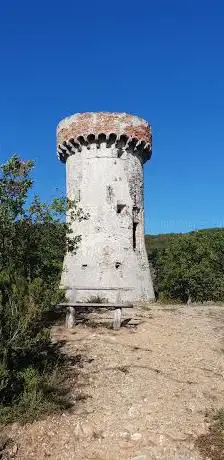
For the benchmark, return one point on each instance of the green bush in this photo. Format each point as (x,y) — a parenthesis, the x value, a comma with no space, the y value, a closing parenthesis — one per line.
(189,267)
(33,240)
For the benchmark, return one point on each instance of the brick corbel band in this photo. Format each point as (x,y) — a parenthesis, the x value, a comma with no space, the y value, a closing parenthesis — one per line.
(121,130)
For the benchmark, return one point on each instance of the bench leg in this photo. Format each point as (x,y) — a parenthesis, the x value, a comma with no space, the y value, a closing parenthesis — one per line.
(70,317)
(117,319)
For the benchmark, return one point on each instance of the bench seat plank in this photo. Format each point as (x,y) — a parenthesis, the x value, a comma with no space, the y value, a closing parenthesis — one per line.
(95,305)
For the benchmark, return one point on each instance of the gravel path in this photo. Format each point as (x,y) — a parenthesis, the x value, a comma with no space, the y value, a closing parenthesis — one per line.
(142,392)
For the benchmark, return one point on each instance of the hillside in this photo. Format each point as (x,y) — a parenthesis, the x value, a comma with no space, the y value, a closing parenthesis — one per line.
(161,241)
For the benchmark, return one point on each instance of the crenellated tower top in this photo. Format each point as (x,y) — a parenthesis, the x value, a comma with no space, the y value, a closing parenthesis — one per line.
(121,130)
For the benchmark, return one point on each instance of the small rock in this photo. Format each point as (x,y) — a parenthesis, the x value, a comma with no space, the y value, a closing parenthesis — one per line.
(132,411)
(136,436)
(83,430)
(142,457)
(125,435)
(192,407)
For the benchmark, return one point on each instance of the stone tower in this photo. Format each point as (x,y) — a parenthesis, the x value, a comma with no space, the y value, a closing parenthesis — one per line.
(104,155)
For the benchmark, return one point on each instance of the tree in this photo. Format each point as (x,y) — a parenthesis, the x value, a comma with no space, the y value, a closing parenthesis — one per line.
(192,267)
(33,240)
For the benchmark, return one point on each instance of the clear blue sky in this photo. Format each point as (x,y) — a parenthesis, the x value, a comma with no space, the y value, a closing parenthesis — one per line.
(160,59)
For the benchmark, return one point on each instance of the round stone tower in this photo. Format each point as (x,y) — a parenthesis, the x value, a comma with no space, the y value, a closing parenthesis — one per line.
(104,155)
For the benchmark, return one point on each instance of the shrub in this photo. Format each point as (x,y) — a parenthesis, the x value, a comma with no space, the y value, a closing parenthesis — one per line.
(190,266)
(33,240)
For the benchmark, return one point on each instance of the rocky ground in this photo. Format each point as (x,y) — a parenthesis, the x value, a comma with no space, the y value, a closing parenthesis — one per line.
(140,393)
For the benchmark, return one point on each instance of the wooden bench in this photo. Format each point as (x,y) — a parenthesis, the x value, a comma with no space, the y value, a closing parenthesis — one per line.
(71,307)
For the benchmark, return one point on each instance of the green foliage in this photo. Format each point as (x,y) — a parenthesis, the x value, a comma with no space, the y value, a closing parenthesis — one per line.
(189,266)
(33,240)
(156,242)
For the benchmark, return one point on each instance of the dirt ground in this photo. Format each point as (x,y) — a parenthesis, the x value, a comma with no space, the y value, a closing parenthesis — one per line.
(142,392)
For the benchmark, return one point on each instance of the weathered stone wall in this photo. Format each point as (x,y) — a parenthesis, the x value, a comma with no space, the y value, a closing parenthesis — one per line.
(104,167)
